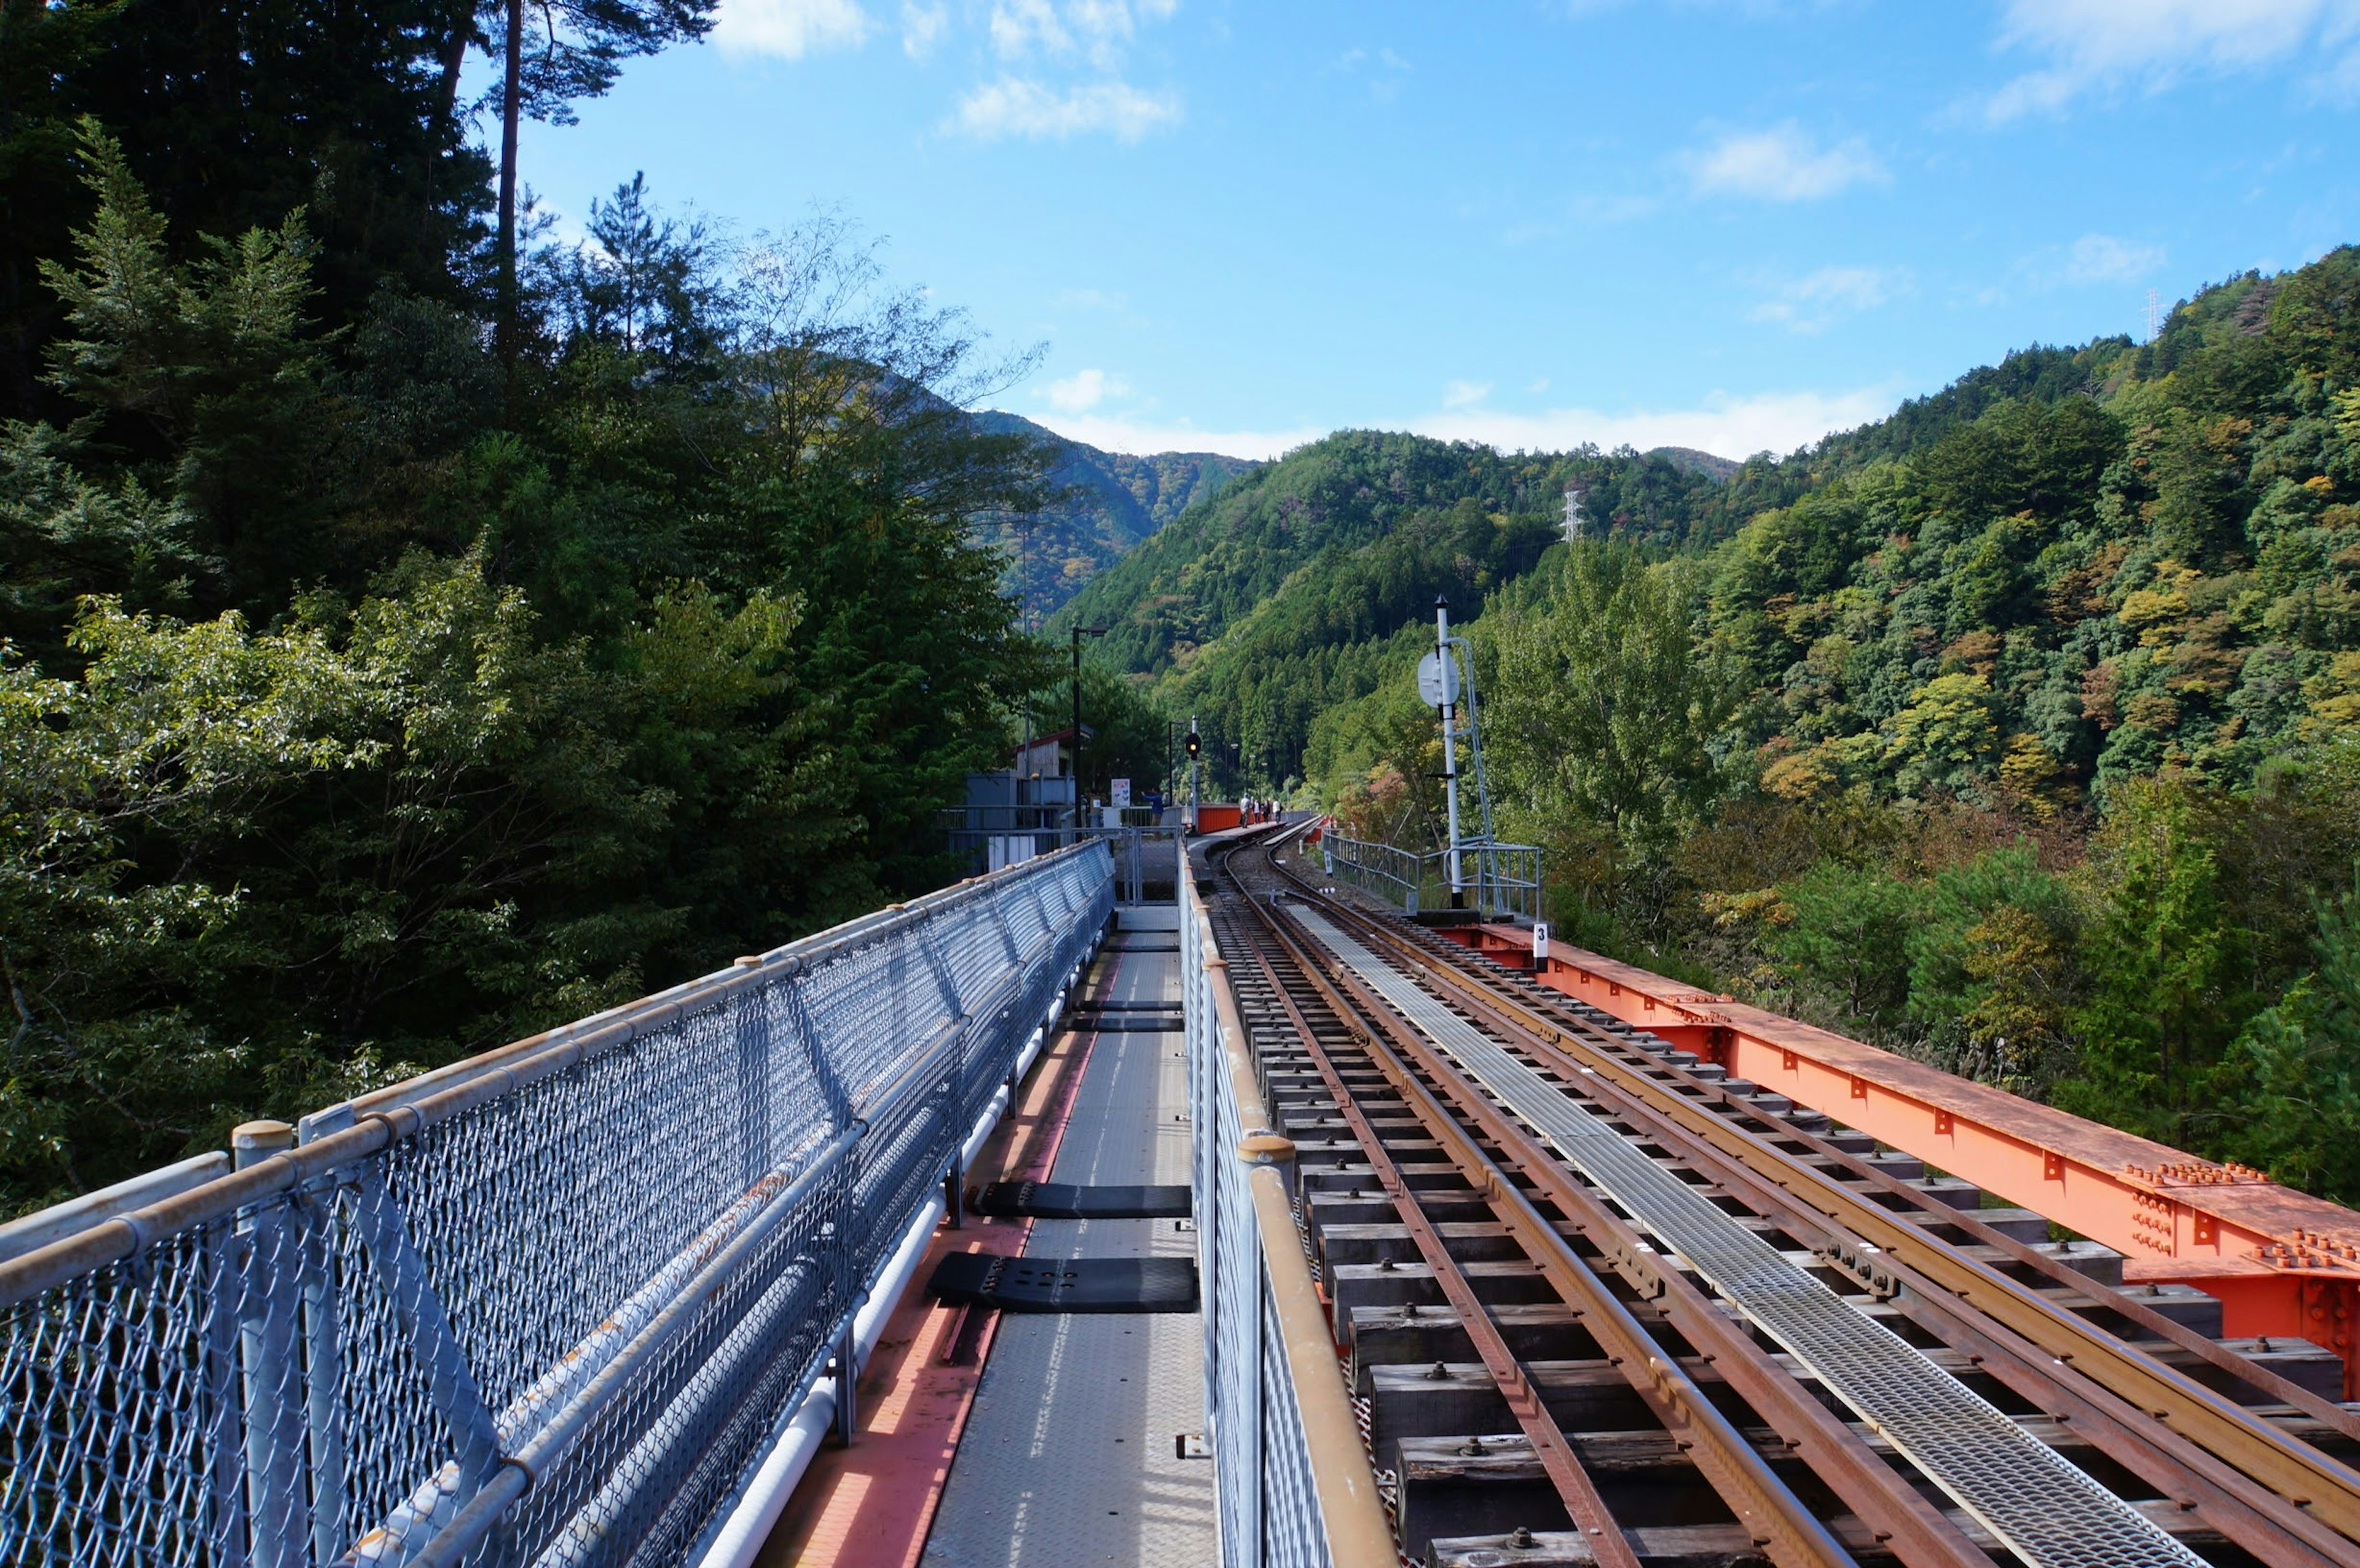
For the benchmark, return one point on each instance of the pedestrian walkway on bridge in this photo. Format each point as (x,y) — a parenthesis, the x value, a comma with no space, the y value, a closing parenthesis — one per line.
(1042,1441)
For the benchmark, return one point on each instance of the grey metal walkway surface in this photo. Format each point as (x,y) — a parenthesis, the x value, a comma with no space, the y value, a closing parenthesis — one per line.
(1067,1456)
(2042,1506)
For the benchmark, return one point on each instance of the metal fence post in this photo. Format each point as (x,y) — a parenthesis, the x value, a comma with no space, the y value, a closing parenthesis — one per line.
(277,1509)
(324,1376)
(752,1010)
(847,1383)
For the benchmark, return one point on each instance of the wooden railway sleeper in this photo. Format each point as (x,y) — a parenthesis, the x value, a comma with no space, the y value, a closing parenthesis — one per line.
(2261,1379)
(2312,1481)
(1866,1481)
(1574,1488)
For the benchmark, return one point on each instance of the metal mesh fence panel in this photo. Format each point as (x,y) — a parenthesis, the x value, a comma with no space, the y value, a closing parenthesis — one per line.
(1265,1499)
(540,1308)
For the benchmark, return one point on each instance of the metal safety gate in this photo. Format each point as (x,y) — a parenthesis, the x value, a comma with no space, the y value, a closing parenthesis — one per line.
(547,1306)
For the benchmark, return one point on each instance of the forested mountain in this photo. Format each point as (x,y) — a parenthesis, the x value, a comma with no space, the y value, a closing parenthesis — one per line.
(1284,595)
(393,662)
(1102,503)
(2023,733)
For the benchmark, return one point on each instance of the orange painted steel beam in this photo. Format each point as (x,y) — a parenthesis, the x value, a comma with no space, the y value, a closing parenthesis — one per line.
(2282,1263)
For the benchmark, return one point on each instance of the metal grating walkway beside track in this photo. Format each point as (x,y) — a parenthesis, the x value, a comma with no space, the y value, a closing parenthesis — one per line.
(2043,1506)
(1067,1460)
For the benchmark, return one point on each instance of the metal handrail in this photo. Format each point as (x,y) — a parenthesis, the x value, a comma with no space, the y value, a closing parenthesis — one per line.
(1292,1479)
(565,1286)
(1503,879)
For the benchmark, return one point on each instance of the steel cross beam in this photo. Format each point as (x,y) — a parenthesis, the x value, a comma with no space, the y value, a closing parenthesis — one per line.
(1890,1508)
(2322,1492)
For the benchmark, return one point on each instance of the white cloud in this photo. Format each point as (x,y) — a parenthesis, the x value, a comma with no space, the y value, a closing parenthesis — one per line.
(790,28)
(1136,436)
(921,26)
(1733,426)
(1813,304)
(1730,426)
(1782,164)
(2100,45)
(1383,68)
(1098,31)
(1015,106)
(1464,394)
(2093,260)
(1085,389)
(2101,259)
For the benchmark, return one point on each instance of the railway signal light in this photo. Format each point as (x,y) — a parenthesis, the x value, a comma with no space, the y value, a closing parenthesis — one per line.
(1195,746)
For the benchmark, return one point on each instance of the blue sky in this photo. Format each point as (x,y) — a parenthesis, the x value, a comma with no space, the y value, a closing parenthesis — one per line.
(1731,226)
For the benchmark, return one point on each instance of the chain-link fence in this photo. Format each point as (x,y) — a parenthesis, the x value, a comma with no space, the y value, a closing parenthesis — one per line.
(541,1307)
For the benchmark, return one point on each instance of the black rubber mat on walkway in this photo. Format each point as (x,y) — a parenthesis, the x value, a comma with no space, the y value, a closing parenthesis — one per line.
(1065,1284)
(1064,1200)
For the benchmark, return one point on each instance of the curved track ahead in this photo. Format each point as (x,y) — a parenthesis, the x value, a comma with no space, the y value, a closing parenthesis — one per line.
(1588,1287)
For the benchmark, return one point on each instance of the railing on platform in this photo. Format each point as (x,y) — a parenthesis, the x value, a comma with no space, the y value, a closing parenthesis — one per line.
(546,1306)
(1293,1484)
(1144,850)
(1500,879)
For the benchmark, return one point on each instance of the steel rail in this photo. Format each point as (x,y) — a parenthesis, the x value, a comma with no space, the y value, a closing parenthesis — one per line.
(1574,1488)
(2261,1380)
(1343,1482)
(2218,1495)
(1897,1514)
(2326,1491)
(1764,1504)
(2028,1495)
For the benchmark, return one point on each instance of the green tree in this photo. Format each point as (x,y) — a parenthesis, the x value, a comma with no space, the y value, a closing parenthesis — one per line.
(2292,1078)
(1832,930)
(2165,967)
(575,50)
(1602,708)
(206,368)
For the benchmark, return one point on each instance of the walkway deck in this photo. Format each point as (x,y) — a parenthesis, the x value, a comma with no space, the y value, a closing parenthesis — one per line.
(1068,1454)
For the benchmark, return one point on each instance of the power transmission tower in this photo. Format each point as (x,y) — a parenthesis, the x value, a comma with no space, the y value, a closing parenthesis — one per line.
(2155,313)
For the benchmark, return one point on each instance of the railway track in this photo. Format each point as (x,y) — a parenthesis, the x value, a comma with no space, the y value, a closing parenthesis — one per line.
(1602,1306)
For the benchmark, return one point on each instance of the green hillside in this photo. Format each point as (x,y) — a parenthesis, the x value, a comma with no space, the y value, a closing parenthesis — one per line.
(1105,503)
(2023,733)
(1287,593)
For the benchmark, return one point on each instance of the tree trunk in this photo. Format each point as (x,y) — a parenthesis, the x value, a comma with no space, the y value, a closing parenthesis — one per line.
(511,94)
(453,62)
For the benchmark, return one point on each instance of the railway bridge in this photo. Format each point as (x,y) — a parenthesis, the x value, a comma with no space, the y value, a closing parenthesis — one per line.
(1044,1220)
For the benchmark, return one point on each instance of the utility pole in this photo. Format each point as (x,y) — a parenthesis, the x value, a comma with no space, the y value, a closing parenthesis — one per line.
(1449,706)
(1188,817)
(1079,633)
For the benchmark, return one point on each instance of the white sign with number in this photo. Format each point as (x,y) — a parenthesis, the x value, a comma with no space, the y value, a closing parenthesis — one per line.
(1540,942)
(1438,679)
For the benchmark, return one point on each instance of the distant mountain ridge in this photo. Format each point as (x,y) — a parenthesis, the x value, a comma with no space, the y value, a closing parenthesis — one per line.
(1113,500)
(1709,464)
(1278,598)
